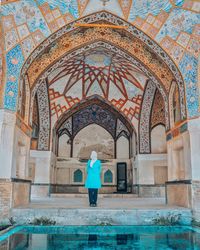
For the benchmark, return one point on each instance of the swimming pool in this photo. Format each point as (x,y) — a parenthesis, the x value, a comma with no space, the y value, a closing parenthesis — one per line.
(100,237)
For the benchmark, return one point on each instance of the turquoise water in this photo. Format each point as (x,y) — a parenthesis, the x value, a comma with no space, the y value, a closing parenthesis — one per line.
(100,238)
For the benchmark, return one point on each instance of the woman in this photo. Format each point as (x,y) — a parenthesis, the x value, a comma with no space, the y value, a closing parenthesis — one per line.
(93,180)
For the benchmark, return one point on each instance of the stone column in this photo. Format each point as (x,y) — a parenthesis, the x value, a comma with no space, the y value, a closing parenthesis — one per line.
(194,130)
(183,187)
(148,165)
(43,163)
(12,189)
(7,131)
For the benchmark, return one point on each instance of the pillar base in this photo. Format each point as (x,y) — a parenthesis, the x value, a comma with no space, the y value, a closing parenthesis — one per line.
(179,193)
(13,193)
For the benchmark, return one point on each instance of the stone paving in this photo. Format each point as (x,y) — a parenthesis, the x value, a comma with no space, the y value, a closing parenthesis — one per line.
(110,211)
(103,203)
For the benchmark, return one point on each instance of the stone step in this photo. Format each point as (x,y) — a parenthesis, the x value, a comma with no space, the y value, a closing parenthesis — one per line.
(79,195)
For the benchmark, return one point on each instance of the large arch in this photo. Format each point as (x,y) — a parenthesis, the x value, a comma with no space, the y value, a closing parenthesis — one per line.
(142,50)
(106,116)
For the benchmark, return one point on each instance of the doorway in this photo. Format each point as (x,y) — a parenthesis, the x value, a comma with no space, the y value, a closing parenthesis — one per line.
(121,177)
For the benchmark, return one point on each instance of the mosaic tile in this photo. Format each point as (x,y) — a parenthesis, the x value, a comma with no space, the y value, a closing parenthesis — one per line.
(27,46)
(60,22)
(176,52)
(194,46)
(150,19)
(11,39)
(141,8)
(8,22)
(56,13)
(53,26)
(23,31)
(125,6)
(178,20)
(189,69)
(183,39)
(14,62)
(157,24)
(196,30)
(49,17)
(26,12)
(38,37)
(167,43)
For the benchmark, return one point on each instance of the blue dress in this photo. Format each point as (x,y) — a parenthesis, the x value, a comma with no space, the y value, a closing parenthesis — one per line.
(93,179)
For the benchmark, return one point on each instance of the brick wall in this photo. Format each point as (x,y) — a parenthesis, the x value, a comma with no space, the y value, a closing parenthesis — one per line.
(5,198)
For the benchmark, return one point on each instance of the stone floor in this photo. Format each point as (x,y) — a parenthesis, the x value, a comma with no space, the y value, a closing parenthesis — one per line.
(110,211)
(103,203)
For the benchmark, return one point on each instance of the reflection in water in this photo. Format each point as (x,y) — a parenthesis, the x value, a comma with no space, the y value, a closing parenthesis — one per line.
(102,241)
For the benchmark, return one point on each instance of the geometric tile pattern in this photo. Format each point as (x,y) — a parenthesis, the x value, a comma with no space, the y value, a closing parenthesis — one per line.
(61,101)
(97,72)
(172,23)
(145,119)
(44,117)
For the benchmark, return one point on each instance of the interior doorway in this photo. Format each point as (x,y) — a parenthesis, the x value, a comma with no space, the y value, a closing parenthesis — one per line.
(121,177)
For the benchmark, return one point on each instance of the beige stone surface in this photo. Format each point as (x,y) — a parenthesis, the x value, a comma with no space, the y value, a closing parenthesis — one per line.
(21,194)
(93,137)
(179,195)
(5,198)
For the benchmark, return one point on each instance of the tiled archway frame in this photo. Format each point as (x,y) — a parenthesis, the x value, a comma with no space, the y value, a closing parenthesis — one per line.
(107,17)
(145,118)
(87,47)
(112,48)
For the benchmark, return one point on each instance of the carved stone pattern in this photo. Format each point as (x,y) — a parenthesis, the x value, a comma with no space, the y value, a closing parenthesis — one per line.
(145,115)
(115,50)
(121,128)
(158,110)
(44,117)
(94,114)
(131,29)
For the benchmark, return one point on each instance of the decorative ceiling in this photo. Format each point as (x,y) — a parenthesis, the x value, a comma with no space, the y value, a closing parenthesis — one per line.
(97,72)
(173,24)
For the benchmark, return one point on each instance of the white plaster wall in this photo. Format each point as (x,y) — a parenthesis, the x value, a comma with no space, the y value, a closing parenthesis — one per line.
(21,154)
(64,148)
(179,157)
(193,144)
(14,147)
(44,162)
(122,148)
(145,165)
(93,137)
(7,134)
(65,168)
(158,140)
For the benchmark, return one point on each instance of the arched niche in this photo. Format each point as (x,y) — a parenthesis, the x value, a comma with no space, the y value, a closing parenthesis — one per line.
(78,176)
(108,177)
(64,146)
(93,137)
(122,148)
(94,111)
(158,140)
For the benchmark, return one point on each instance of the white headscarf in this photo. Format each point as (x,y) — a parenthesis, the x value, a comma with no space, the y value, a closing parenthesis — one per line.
(93,157)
